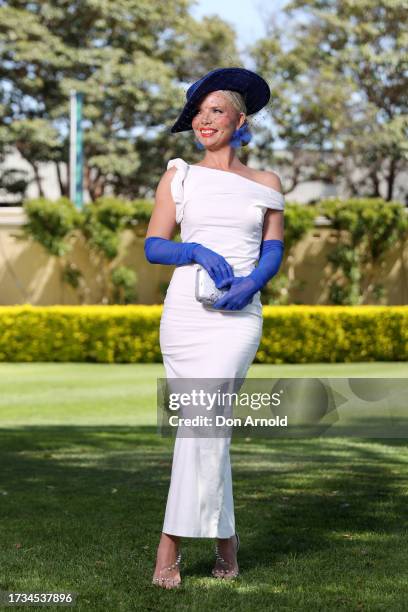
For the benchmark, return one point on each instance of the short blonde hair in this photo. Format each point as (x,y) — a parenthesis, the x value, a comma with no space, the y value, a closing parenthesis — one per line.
(236,99)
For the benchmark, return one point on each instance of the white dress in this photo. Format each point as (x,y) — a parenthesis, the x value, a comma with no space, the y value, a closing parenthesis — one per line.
(224,212)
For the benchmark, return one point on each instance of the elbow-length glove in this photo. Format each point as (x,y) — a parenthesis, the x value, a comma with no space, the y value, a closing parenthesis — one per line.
(243,288)
(162,251)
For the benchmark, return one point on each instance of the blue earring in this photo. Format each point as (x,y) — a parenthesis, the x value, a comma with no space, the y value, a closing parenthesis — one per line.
(241,136)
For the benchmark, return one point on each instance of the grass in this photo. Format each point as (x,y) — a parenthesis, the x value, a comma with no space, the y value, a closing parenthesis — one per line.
(84,479)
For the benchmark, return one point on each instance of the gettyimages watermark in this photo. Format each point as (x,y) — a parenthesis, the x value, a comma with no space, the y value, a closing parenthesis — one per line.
(283,407)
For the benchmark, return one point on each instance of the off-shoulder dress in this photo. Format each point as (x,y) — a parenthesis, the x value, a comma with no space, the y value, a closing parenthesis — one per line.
(224,212)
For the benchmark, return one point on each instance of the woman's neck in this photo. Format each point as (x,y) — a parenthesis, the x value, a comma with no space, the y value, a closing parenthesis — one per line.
(225,159)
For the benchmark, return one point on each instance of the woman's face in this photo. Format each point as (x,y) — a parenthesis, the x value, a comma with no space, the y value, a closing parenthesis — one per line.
(216,120)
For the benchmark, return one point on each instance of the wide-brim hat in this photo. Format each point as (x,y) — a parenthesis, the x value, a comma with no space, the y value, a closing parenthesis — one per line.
(253,88)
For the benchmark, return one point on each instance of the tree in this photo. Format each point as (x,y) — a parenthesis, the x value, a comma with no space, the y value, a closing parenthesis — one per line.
(339,79)
(126,56)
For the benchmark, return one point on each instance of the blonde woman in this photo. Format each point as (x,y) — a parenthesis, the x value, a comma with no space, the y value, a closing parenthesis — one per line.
(231,218)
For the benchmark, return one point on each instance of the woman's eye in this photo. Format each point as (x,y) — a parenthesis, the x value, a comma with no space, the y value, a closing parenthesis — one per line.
(217,110)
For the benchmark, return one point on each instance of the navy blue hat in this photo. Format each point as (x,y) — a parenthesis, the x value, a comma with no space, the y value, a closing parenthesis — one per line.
(253,88)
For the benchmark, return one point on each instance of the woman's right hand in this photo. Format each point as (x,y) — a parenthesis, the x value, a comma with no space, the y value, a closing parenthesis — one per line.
(216,265)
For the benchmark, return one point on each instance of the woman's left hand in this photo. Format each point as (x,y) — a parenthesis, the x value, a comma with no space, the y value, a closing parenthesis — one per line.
(239,295)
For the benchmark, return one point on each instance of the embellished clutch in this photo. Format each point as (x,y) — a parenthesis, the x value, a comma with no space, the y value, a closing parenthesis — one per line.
(206,290)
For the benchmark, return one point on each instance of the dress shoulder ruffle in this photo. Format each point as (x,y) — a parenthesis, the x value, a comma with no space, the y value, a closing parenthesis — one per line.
(177,185)
(271,199)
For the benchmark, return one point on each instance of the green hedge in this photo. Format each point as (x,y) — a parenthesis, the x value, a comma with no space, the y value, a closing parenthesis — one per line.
(130,334)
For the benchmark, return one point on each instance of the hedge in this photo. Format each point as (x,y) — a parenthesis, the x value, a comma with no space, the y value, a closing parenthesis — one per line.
(130,334)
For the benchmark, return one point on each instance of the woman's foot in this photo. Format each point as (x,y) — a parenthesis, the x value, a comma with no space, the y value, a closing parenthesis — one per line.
(226,564)
(167,571)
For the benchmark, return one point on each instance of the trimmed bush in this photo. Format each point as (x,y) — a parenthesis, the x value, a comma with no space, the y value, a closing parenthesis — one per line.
(333,334)
(130,334)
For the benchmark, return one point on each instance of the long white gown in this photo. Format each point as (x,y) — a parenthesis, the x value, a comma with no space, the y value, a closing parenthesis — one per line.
(224,212)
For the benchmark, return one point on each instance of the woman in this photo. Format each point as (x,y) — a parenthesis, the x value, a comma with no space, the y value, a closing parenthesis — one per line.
(230,217)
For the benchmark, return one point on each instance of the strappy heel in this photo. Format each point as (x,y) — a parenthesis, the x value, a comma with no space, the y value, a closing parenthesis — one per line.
(165,581)
(226,572)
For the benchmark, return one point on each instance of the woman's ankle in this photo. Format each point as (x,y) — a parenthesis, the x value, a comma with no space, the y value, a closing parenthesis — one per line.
(168,547)
(170,540)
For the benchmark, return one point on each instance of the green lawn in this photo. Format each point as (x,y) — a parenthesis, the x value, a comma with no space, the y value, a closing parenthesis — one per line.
(84,479)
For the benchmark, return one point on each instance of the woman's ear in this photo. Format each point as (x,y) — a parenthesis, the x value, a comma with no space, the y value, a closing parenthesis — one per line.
(242,120)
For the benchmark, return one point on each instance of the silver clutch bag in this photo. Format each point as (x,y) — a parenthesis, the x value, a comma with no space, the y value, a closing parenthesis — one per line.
(206,290)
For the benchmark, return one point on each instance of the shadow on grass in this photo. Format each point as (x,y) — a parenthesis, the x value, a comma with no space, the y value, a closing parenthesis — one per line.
(85,505)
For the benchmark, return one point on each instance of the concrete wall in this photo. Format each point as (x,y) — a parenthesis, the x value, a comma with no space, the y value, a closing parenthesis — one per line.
(29,275)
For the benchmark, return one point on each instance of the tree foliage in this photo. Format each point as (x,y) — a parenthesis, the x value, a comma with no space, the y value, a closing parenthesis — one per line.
(366,231)
(338,70)
(130,58)
(57,226)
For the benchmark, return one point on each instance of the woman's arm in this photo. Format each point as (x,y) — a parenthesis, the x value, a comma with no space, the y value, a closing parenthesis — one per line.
(158,246)
(163,219)
(273,225)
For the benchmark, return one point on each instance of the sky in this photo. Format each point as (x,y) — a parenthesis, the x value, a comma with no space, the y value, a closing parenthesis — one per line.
(247,16)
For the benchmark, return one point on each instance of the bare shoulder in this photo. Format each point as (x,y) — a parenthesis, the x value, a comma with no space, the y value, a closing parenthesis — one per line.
(168,174)
(269,179)
(166,178)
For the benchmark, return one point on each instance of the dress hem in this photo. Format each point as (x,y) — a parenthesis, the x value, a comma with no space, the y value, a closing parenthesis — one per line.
(189,534)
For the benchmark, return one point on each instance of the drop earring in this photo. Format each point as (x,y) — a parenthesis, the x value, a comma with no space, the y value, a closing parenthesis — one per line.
(235,141)
(241,137)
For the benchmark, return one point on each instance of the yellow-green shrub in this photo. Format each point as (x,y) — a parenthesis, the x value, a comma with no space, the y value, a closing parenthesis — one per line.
(310,334)
(130,334)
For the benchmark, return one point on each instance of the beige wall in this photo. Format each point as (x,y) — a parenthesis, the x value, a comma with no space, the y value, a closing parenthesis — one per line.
(28,274)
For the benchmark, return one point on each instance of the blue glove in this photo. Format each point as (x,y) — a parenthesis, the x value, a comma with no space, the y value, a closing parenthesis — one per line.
(243,288)
(162,251)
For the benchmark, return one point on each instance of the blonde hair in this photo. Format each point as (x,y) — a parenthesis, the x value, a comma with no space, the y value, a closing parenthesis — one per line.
(237,100)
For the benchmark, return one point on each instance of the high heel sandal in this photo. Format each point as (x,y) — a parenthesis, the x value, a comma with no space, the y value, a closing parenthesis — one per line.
(166,582)
(227,572)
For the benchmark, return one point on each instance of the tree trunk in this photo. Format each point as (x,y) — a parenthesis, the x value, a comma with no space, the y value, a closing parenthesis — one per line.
(99,189)
(96,186)
(63,186)
(38,180)
(376,183)
(391,179)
